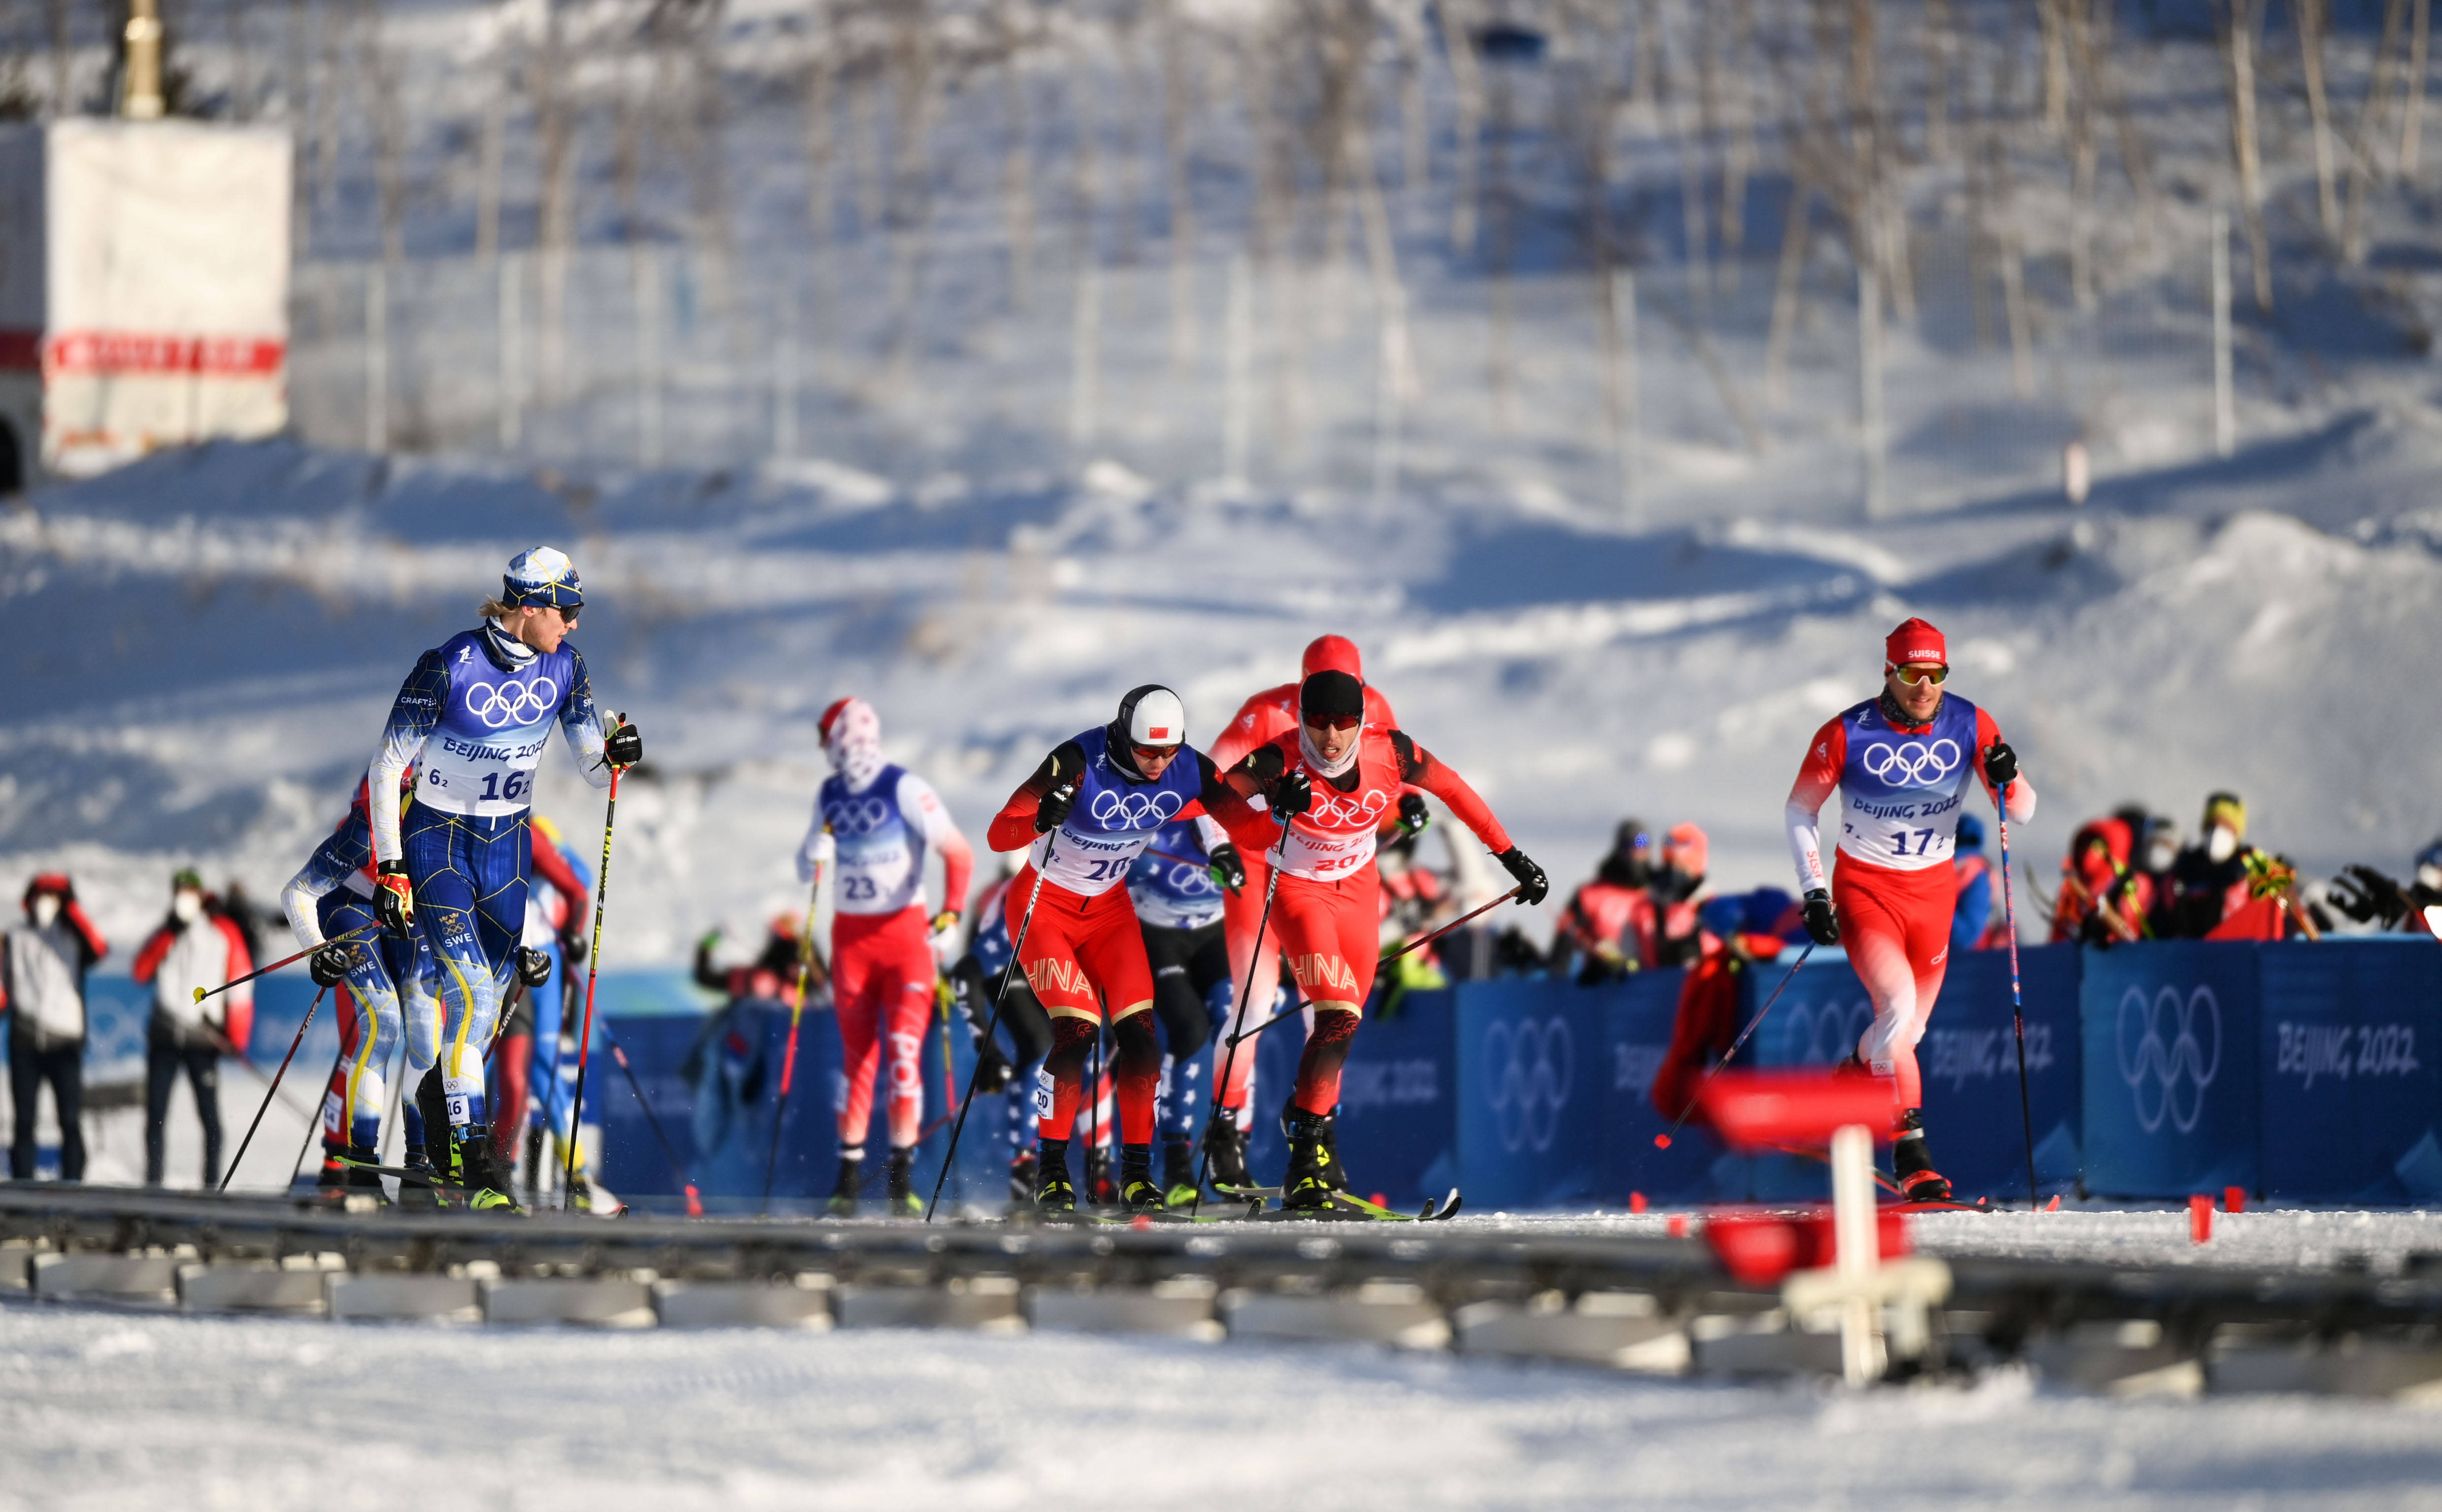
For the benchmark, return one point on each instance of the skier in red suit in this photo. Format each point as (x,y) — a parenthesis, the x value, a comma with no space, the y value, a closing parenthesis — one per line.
(1904,761)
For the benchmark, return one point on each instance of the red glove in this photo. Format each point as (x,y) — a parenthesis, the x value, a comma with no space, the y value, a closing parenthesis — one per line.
(395,897)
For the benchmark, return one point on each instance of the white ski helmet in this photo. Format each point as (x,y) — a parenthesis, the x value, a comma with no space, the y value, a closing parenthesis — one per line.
(1153,716)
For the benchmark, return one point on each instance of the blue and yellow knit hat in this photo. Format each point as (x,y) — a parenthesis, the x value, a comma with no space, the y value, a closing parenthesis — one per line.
(541,574)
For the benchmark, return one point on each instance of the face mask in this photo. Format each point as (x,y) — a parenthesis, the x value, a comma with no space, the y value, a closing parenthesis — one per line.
(47,908)
(189,906)
(2221,845)
(2431,877)
(2160,854)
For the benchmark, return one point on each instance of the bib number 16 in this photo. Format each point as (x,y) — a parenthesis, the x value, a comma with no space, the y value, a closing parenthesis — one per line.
(513,790)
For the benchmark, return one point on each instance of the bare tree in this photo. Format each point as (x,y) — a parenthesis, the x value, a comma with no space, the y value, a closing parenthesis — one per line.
(2311,18)
(2237,19)
(1466,81)
(2414,128)
(1018,149)
(1177,188)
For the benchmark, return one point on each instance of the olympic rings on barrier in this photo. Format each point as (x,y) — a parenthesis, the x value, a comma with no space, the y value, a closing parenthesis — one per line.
(1532,1066)
(1913,764)
(1113,810)
(496,705)
(2168,1066)
(1824,1034)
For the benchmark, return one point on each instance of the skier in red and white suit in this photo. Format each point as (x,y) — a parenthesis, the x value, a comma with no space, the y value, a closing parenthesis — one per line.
(874,822)
(1903,761)
(1259,722)
(1334,778)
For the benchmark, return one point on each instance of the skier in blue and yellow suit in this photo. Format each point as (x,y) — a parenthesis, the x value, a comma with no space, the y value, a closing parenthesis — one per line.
(474,715)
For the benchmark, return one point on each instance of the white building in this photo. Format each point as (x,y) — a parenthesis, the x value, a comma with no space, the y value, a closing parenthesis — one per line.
(143,290)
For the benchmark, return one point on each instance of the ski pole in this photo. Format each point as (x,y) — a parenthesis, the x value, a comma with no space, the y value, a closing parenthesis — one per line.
(796,1015)
(202,992)
(694,1199)
(2017,1010)
(265,1106)
(1230,1062)
(1662,1142)
(1015,946)
(592,973)
(1417,943)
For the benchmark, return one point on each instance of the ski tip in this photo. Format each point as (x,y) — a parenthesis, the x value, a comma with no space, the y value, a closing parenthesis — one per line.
(1449,1205)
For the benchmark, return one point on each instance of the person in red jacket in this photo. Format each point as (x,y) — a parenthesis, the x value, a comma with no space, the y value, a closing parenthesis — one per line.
(1904,761)
(1086,814)
(196,948)
(1263,719)
(1334,778)
(43,962)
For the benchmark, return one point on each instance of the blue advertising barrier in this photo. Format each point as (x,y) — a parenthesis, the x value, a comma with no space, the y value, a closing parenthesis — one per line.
(2350,1051)
(1638,1014)
(2172,1103)
(1532,1085)
(1398,1100)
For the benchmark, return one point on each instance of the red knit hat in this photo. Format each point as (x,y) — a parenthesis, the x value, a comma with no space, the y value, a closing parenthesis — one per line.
(1916,641)
(1332,653)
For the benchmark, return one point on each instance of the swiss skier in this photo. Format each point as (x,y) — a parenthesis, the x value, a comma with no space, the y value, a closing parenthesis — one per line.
(1177,887)
(473,718)
(1263,719)
(1334,779)
(1087,813)
(1904,761)
(873,823)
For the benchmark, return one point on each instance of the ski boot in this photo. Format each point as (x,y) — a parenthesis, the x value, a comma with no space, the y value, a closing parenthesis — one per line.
(903,1200)
(1178,1171)
(1053,1191)
(1334,1174)
(415,1191)
(1918,1181)
(1021,1179)
(1306,1188)
(1137,1193)
(361,1180)
(479,1172)
(1099,1189)
(331,1183)
(844,1191)
(1225,1148)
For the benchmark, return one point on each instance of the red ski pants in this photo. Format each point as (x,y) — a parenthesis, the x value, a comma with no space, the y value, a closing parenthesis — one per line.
(1080,954)
(1241,912)
(1331,933)
(881,993)
(1896,926)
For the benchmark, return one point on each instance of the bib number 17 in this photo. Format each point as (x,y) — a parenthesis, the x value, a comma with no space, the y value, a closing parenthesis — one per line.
(1900,842)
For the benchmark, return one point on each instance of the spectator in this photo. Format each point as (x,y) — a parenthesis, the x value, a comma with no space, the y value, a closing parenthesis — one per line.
(43,962)
(1601,912)
(2102,901)
(1737,930)
(196,948)
(1975,923)
(771,974)
(1669,932)
(2156,855)
(2209,879)
(2371,897)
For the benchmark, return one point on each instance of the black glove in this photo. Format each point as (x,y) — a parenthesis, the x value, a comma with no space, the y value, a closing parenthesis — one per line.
(2000,764)
(571,945)
(2365,895)
(1533,886)
(624,747)
(1822,925)
(1226,868)
(992,1069)
(1413,814)
(534,966)
(1290,794)
(394,899)
(331,965)
(1053,810)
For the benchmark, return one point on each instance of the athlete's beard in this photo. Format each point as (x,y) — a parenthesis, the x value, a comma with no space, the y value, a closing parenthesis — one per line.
(1328,769)
(1892,712)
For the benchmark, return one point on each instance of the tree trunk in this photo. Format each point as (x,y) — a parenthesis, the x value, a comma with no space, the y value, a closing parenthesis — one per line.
(2414,128)
(2310,48)
(2238,40)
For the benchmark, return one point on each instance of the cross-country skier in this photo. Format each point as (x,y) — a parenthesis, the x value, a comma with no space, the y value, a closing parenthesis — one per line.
(474,717)
(1260,721)
(1334,778)
(529,1070)
(975,983)
(374,972)
(873,823)
(1089,811)
(1177,887)
(1903,761)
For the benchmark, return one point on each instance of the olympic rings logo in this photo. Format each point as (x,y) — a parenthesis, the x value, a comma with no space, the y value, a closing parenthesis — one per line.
(1354,812)
(2167,1078)
(500,703)
(1113,810)
(1825,1033)
(859,816)
(1914,765)
(1189,881)
(1535,1063)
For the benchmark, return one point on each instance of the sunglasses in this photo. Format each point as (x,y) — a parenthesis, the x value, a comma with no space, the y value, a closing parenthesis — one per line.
(1337,721)
(1914,675)
(1152,753)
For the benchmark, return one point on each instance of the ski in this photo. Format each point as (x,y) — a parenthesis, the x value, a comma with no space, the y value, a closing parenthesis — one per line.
(426,1179)
(1347,1208)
